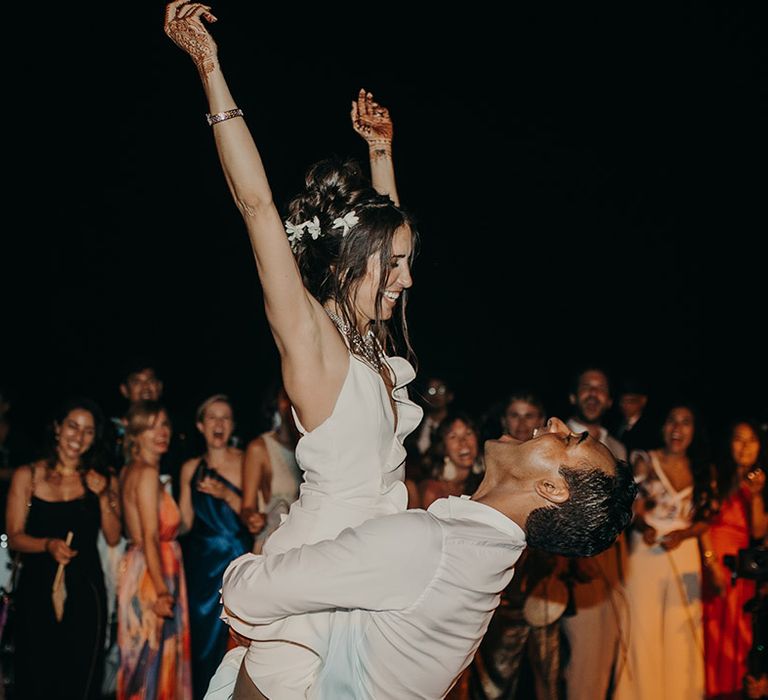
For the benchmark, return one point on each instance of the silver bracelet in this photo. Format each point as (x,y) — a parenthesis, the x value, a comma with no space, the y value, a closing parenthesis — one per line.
(223,116)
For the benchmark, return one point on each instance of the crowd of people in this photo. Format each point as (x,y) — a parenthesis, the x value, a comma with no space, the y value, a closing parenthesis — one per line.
(128,542)
(663,613)
(658,615)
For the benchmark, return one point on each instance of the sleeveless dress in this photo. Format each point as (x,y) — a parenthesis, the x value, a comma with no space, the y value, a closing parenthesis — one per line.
(665,646)
(216,538)
(727,628)
(286,479)
(354,465)
(64,659)
(154,651)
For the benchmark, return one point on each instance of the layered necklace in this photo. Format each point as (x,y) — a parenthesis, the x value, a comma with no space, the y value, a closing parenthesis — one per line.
(366,347)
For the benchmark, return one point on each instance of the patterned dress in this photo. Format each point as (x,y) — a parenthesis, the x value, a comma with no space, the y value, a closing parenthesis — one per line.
(665,659)
(154,651)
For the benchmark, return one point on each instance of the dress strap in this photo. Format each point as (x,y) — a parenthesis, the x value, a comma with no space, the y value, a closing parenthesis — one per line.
(200,471)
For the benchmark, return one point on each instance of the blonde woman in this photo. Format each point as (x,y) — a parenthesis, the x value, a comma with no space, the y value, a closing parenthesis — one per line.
(210,503)
(153,624)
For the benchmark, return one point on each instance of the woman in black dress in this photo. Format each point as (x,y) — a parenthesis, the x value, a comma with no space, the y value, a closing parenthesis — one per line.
(49,499)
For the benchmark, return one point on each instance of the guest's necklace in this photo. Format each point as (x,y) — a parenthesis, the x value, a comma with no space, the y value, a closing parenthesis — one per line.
(365,347)
(65,471)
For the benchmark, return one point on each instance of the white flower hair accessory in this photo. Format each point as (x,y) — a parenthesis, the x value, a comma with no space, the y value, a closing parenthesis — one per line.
(312,226)
(346,222)
(294,233)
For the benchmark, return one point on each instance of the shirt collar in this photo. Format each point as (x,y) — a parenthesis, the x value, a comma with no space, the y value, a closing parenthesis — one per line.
(463,508)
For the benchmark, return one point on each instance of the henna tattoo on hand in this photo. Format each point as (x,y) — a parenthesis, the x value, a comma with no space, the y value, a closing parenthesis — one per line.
(371,120)
(189,34)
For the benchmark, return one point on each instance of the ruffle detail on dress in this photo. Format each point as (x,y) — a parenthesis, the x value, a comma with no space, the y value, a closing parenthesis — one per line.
(409,414)
(396,494)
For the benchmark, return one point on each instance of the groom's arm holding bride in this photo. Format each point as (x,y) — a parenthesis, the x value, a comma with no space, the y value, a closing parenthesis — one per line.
(364,568)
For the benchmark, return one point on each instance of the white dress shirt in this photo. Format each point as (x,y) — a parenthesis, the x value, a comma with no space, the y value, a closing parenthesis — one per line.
(412,596)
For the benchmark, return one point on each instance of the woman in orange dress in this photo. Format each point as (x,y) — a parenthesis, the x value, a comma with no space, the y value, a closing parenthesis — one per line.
(153,622)
(741,517)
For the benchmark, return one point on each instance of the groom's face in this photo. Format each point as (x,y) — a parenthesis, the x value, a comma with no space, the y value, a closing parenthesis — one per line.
(551,448)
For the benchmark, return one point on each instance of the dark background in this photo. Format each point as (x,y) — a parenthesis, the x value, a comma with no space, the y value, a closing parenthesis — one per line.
(589,185)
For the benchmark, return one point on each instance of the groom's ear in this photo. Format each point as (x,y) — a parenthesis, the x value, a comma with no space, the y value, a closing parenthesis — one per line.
(553,489)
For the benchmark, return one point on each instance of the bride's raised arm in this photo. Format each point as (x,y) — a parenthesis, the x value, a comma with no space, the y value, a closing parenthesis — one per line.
(293,314)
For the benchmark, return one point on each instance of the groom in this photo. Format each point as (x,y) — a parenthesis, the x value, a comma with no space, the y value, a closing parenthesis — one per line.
(414,592)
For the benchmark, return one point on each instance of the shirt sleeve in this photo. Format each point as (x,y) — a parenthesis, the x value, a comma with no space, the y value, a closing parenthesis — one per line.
(384,564)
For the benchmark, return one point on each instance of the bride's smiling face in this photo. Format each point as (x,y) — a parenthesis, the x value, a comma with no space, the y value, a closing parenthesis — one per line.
(398,278)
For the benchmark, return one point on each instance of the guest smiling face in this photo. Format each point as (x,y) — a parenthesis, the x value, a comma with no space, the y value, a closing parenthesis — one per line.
(592,397)
(142,385)
(745,446)
(155,439)
(461,446)
(678,429)
(521,418)
(75,434)
(217,424)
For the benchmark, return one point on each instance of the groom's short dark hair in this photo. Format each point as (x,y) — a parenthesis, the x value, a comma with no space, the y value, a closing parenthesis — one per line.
(598,509)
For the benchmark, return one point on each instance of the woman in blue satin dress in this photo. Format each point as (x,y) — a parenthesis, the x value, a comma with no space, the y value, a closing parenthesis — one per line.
(210,502)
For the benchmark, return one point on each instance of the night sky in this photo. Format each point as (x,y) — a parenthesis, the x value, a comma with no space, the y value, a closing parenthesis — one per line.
(589,186)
